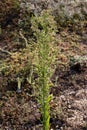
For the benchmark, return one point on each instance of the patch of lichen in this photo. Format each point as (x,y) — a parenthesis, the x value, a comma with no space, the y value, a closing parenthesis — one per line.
(74,23)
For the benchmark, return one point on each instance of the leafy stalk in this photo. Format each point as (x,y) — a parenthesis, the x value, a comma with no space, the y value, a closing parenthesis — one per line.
(44,27)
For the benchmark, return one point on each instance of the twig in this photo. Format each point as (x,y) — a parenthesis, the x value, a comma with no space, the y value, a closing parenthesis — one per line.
(23,37)
(4,51)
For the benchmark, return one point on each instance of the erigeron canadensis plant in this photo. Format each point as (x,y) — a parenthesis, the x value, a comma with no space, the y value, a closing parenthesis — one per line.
(44,28)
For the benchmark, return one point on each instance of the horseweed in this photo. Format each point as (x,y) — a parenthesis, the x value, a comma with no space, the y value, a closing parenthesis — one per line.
(44,28)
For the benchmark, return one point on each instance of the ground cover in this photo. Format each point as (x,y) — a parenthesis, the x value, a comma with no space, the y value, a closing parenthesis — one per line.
(20,110)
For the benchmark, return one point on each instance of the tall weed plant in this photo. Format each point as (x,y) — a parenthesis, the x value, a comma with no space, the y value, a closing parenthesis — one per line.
(44,28)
